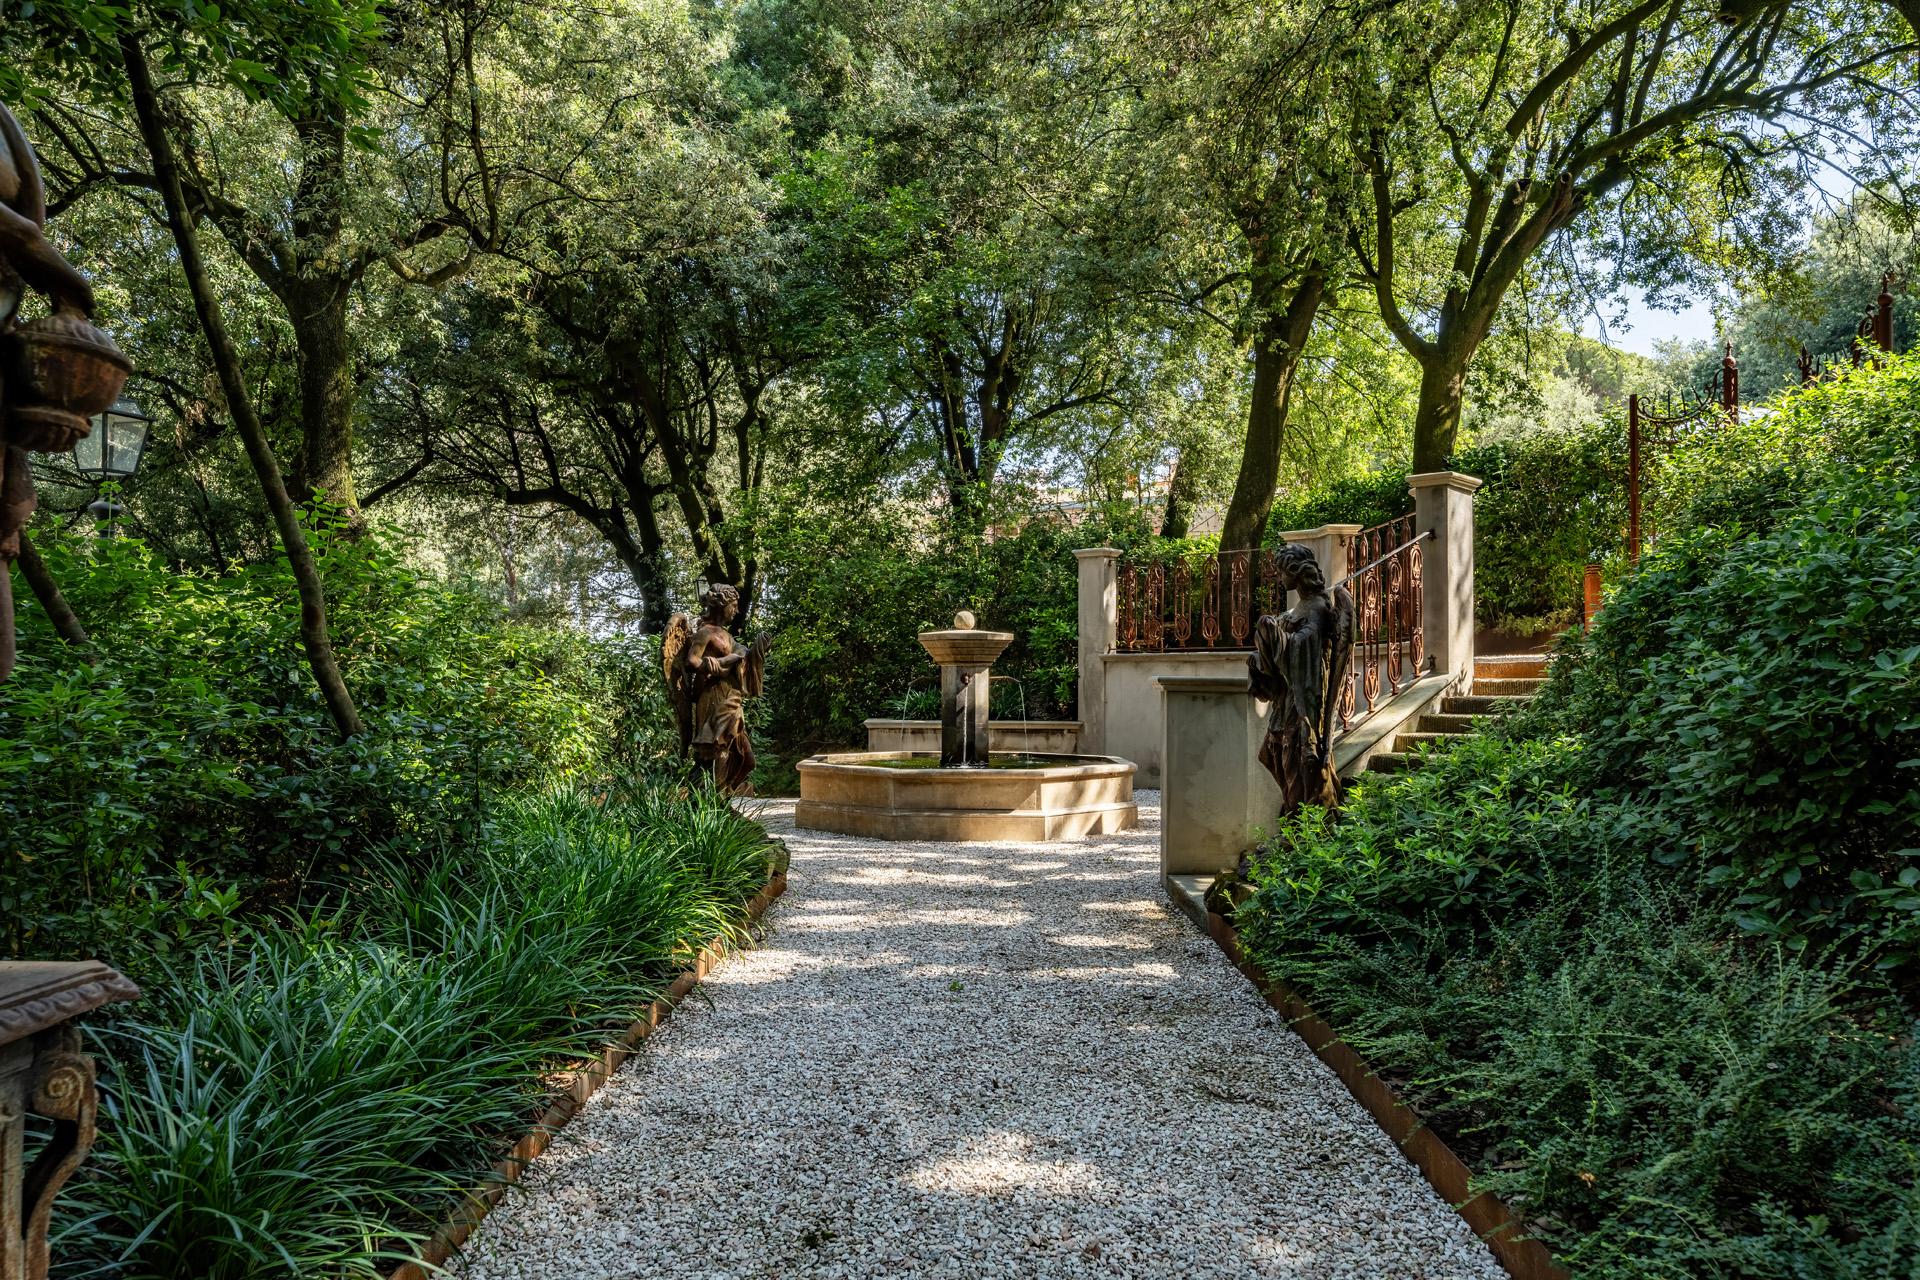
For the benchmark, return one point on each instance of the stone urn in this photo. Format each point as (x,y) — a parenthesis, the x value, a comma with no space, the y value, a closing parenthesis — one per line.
(62,371)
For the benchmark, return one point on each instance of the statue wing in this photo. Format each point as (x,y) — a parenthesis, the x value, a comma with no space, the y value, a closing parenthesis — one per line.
(1266,665)
(673,670)
(1339,660)
(753,669)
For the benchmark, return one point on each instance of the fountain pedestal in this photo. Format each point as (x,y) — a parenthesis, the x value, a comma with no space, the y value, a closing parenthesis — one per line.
(964,655)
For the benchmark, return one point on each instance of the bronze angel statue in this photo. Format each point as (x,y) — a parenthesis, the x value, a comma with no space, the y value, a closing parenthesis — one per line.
(709,679)
(1299,666)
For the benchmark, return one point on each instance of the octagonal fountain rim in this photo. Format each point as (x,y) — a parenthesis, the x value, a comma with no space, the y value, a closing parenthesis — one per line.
(864,762)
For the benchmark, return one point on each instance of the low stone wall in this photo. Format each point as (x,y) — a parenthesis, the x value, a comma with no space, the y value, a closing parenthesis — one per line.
(1135,705)
(1015,737)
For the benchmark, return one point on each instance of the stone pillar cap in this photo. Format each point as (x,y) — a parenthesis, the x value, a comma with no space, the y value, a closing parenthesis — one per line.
(1085,553)
(1337,530)
(1451,479)
(38,994)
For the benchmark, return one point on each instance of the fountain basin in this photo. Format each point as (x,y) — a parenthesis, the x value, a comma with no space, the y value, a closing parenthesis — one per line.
(892,795)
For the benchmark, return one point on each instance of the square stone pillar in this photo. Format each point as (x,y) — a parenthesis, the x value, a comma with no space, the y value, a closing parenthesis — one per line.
(1443,506)
(1215,798)
(1329,544)
(1099,636)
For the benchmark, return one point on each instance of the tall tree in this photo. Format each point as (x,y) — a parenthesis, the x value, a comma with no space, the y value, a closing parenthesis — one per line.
(413,172)
(1234,114)
(1666,129)
(988,237)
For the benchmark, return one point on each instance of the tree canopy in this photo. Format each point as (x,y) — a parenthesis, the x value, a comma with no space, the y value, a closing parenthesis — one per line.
(630,281)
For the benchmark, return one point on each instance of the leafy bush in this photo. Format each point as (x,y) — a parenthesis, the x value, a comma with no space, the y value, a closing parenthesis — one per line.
(1757,684)
(1659,1098)
(304,1102)
(846,598)
(1367,499)
(198,741)
(1554,500)
(1648,952)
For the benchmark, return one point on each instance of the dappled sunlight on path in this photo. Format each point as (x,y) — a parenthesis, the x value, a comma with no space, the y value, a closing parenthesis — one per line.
(974,1060)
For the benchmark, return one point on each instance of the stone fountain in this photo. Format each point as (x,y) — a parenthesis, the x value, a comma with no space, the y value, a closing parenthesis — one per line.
(965,793)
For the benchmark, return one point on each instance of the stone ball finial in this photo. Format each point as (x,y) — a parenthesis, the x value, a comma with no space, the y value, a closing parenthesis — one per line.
(964,620)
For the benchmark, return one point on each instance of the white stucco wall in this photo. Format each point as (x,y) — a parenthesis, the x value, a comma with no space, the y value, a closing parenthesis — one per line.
(1135,714)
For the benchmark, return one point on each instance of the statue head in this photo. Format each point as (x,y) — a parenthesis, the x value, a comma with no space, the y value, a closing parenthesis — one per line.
(1300,569)
(719,603)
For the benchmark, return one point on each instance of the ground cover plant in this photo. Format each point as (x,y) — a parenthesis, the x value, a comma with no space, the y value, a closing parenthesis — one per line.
(1647,953)
(304,1100)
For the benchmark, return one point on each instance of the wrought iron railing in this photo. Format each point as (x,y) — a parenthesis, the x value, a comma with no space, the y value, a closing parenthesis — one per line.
(1873,334)
(1389,634)
(1196,603)
(1212,602)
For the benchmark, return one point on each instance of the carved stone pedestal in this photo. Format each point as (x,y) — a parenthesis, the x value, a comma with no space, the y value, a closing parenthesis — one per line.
(43,1071)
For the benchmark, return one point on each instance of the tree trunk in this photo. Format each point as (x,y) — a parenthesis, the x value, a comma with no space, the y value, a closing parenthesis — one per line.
(1910,10)
(1276,356)
(326,397)
(649,568)
(1436,423)
(1178,520)
(65,623)
(226,360)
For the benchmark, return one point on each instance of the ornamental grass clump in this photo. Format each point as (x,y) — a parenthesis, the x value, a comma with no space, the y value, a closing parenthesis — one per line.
(307,1101)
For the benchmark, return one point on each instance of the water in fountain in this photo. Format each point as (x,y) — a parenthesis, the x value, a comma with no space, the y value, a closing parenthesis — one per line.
(1015,682)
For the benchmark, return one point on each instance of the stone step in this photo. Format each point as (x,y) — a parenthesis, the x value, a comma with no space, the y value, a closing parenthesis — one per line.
(1389,762)
(1408,741)
(1507,666)
(1444,723)
(1466,704)
(1507,688)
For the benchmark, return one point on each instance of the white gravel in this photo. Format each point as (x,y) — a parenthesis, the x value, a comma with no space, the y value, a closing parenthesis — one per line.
(968,1060)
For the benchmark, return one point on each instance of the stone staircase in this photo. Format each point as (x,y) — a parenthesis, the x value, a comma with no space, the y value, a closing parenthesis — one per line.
(1499,685)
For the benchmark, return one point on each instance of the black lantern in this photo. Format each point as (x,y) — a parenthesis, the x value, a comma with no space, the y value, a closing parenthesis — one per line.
(112,451)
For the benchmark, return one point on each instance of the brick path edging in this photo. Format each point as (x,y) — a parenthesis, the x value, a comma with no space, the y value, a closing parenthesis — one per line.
(583,1084)
(1522,1257)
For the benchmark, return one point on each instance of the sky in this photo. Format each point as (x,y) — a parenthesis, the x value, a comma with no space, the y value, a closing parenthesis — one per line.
(1643,326)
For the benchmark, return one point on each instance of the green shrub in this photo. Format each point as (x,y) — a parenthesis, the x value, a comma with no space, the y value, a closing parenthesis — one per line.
(846,598)
(307,1101)
(1370,498)
(198,740)
(1554,500)
(1660,1098)
(1756,685)
(1647,952)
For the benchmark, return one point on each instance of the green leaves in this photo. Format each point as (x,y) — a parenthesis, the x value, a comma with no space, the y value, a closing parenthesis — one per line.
(307,1101)
(197,735)
(1649,949)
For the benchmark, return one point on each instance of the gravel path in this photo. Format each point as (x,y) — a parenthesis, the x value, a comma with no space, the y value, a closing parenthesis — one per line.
(966,1061)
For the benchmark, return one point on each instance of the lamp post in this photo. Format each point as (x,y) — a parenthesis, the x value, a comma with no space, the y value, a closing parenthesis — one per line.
(112,451)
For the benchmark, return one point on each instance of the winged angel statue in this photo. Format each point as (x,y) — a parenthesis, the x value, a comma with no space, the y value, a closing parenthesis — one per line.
(1300,659)
(709,679)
